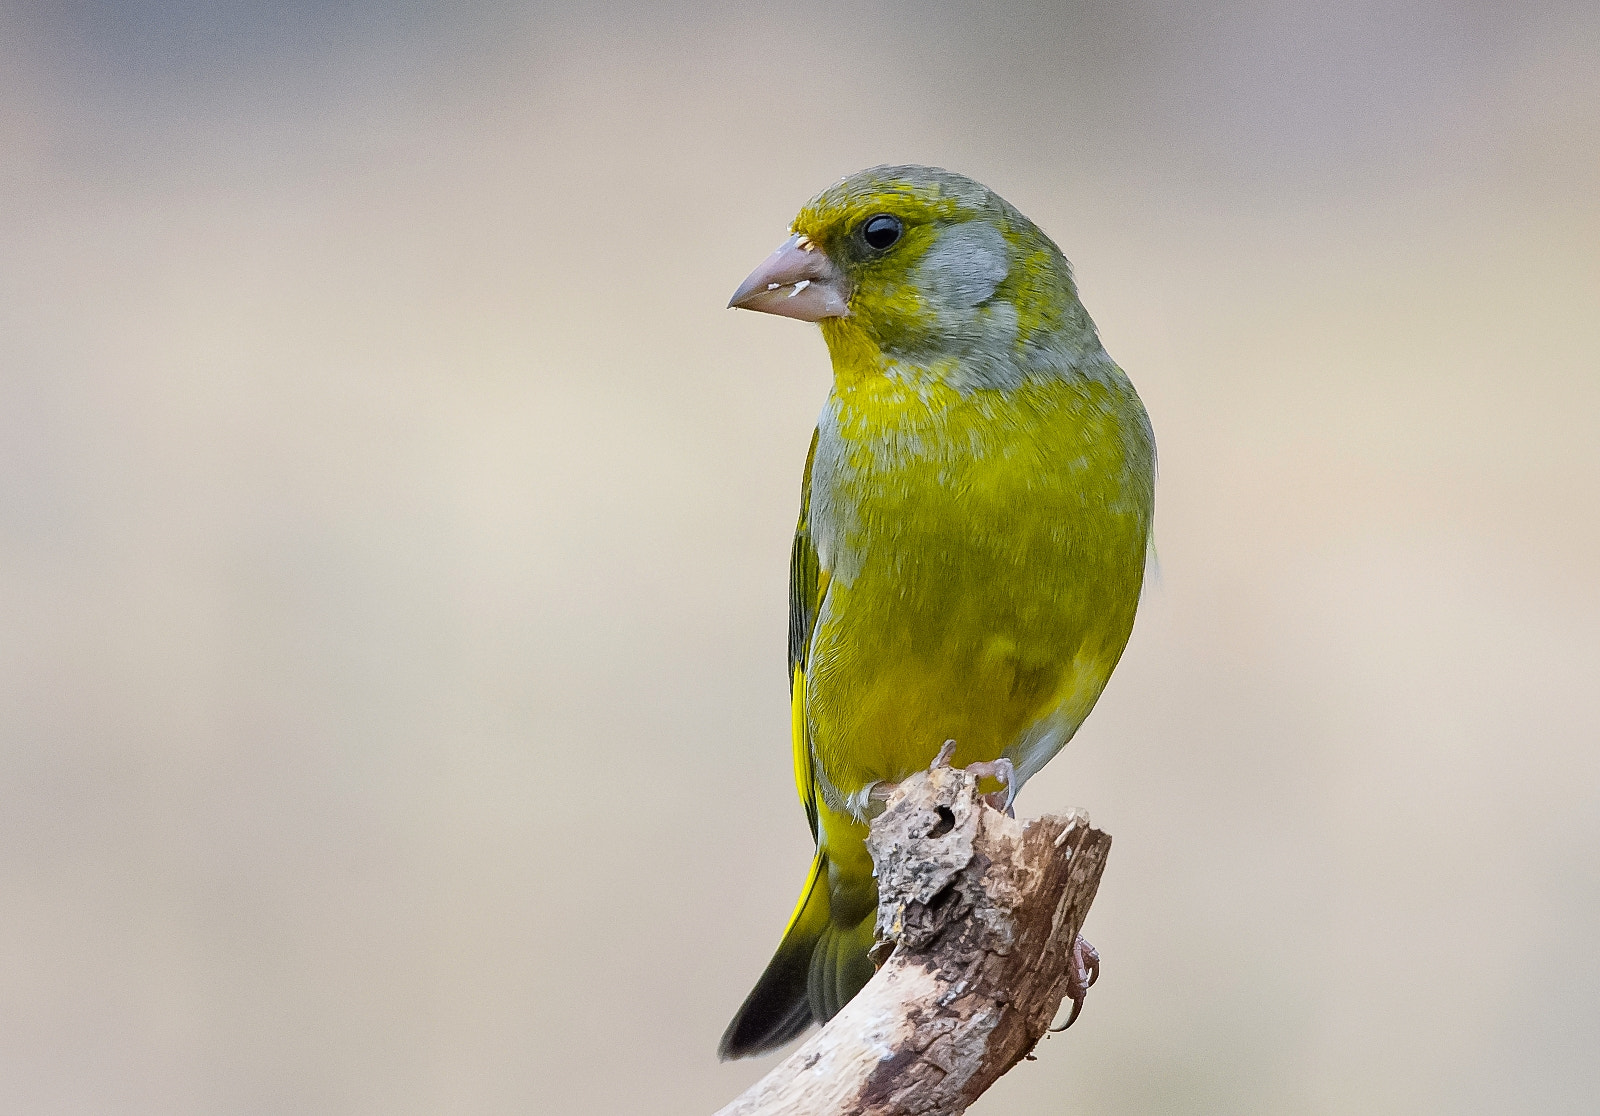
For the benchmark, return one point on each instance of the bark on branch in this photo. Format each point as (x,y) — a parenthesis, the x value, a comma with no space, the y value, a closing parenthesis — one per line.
(977,914)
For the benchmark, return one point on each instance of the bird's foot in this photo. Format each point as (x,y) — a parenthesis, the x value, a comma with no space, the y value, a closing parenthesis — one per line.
(1003,771)
(877,794)
(1083,969)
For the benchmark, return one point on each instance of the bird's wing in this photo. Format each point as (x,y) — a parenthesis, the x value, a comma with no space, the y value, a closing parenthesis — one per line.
(807,583)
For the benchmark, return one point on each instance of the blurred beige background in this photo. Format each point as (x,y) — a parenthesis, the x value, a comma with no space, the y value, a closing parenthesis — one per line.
(394,531)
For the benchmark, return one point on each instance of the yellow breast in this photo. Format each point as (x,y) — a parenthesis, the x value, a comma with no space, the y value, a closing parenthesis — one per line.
(985,553)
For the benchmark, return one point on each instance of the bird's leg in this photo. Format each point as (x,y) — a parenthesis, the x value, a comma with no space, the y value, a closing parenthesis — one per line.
(876,798)
(1083,969)
(1005,772)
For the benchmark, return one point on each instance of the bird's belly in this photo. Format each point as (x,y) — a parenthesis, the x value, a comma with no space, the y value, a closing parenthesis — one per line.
(948,639)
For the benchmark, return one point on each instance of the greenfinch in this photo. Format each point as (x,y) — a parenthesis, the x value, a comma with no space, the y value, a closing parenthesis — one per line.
(974,519)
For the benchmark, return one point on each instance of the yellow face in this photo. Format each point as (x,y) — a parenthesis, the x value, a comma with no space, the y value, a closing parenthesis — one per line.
(928,271)
(881,230)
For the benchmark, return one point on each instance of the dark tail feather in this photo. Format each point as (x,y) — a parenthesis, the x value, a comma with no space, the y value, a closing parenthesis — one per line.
(818,967)
(778,1007)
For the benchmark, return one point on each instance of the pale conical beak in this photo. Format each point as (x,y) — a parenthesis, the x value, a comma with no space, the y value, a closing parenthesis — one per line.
(796,281)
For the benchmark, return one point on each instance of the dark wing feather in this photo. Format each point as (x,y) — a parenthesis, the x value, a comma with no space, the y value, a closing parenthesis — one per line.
(806,584)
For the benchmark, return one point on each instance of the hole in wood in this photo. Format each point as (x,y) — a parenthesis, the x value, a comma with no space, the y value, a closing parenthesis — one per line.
(946,822)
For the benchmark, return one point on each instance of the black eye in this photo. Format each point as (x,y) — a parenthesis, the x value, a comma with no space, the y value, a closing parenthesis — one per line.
(881,232)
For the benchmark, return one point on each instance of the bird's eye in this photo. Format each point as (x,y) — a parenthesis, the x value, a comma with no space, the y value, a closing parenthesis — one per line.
(881,232)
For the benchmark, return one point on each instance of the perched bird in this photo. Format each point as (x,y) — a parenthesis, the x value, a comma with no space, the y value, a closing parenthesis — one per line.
(974,520)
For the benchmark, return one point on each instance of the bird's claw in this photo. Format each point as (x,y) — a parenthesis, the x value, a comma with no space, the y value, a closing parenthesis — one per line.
(1005,773)
(1083,969)
(878,792)
(1001,769)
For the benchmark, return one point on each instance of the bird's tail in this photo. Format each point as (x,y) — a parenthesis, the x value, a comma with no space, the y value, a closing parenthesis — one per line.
(821,963)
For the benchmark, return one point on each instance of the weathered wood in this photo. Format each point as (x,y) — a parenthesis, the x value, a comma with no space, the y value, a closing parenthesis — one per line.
(978,913)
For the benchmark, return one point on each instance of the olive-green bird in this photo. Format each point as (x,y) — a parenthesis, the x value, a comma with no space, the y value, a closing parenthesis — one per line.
(974,520)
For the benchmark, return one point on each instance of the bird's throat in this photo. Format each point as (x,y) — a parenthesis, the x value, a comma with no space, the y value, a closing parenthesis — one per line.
(856,356)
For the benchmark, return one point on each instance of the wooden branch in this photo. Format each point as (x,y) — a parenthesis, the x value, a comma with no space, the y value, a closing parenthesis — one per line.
(978,914)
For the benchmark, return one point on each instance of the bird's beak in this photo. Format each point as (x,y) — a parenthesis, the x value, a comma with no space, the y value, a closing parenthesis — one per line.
(796,281)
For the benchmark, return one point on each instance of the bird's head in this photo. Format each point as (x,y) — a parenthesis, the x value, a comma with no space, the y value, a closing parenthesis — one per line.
(920,268)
